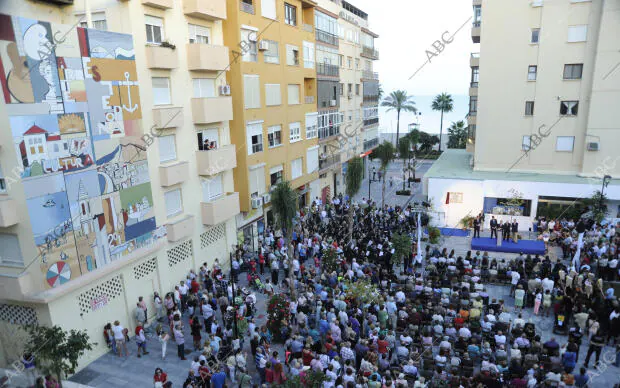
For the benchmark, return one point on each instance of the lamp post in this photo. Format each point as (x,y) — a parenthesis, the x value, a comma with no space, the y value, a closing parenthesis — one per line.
(606,180)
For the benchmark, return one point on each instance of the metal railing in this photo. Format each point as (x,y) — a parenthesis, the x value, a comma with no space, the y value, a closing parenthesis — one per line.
(473,84)
(367,74)
(309,99)
(328,161)
(328,132)
(307,27)
(368,144)
(371,98)
(247,7)
(374,120)
(326,37)
(370,52)
(327,69)
(257,148)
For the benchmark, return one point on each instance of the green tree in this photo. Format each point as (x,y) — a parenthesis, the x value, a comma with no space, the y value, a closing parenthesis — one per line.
(404,149)
(457,135)
(284,205)
(380,92)
(362,290)
(353,181)
(399,101)
(385,153)
(597,207)
(427,142)
(402,247)
(442,102)
(329,260)
(57,350)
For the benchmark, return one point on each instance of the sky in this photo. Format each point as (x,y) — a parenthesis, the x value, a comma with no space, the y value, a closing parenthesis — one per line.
(406,29)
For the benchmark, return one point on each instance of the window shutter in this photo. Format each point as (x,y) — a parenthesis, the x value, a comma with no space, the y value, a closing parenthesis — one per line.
(161,91)
(268,8)
(297,168)
(293,94)
(273,94)
(153,21)
(312,159)
(251,91)
(212,188)
(173,202)
(257,180)
(577,33)
(167,148)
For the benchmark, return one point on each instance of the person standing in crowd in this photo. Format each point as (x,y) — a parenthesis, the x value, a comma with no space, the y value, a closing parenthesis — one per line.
(477,227)
(119,337)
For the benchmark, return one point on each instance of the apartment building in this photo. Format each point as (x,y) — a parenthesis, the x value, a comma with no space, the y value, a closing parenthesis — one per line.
(272,45)
(118,165)
(346,50)
(542,123)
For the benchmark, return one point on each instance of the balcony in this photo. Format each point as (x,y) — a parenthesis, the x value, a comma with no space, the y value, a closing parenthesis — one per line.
(369,52)
(309,99)
(370,144)
(208,110)
(246,7)
(158,57)
(215,161)
(161,4)
(474,60)
(473,90)
(205,9)
(329,132)
(371,121)
(370,75)
(307,27)
(327,69)
(326,37)
(475,32)
(328,162)
(476,2)
(168,117)
(8,212)
(371,98)
(471,119)
(220,209)
(180,229)
(207,57)
(172,174)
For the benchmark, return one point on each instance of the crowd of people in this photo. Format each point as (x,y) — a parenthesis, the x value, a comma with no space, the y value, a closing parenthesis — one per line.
(432,320)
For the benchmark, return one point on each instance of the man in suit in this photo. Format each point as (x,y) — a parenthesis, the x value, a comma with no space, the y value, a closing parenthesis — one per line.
(515,229)
(493,224)
(506,231)
(477,227)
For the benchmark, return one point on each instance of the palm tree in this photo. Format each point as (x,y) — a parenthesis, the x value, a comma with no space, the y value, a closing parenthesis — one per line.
(457,135)
(442,102)
(284,205)
(399,101)
(353,181)
(385,153)
(404,151)
(380,91)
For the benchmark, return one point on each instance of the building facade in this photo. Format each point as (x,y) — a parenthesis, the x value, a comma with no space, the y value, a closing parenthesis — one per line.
(117,157)
(545,129)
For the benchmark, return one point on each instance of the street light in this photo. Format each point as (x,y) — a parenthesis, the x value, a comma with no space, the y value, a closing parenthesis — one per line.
(606,180)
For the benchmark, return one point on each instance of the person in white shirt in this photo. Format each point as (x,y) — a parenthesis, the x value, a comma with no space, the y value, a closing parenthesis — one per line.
(119,337)
(500,338)
(515,280)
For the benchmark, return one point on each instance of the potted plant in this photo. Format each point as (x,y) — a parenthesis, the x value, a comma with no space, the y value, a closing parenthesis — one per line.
(467,222)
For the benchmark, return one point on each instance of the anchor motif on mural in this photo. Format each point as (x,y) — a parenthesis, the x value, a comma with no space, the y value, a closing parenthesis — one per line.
(129,108)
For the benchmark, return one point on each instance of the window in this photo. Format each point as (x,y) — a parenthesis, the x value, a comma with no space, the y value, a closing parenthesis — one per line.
(357,64)
(255,137)
(161,91)
(531,73)
(477,15)
(272,54)
(167,148)
(475,76)
(204,87)
(275,175)
(577,33)
(293,94)
(535,36)
(212,188)
(268,8)
(248,39)
(208,138)
(537,3)
(569,108)
(349,62)
(529,108)
(292,55)
(308,55)
(173,201)
(154,29)
(98,19)
(311,125)
(11,252)
(473,105)
(290,14)
(455,197)
(357,89)
(199,34)
(257,179)
(526,143)
(251,91)
(312,159)
(3,180)
(294,131)
(564,143)
(272,94)
(573,71)
(349,88)
(274,135)
(342,89)
(296,168)
(341,60)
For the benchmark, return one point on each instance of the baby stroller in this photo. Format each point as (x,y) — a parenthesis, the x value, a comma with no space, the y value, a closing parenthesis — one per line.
(559,326)
(256,283)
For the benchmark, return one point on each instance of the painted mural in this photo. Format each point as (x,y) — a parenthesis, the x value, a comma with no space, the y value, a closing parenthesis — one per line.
(75,121)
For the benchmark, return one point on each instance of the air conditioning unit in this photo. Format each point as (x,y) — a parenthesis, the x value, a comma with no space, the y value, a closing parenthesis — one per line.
(225,90)
(266,198)
(350,95)
(593,146)
(332,103)
(256,203)
(263,45)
